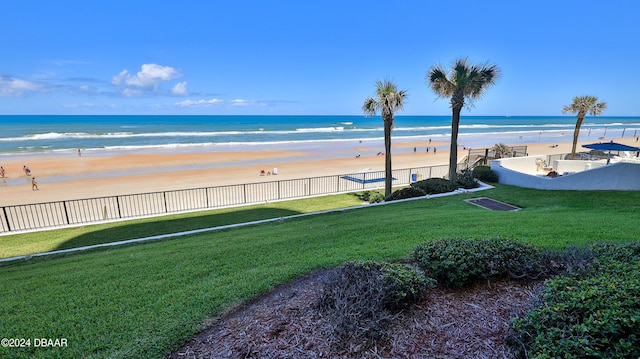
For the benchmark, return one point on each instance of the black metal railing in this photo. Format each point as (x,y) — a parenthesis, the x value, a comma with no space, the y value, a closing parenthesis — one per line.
(95,210)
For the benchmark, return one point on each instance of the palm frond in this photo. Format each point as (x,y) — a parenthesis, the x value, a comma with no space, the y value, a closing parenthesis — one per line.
(439,82)
(585,104)
(370,107)
(465,81)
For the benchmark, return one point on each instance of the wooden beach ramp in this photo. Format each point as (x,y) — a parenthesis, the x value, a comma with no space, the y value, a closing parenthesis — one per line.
(492,204)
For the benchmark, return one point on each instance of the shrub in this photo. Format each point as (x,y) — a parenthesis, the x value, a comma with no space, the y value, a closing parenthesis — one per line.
(371,197)
(404,284)
(408,192)
(606,252)
(466,180)
(595,317)
(358,300)
(485,174)
(458,261)
(364,196)
(435,185)
(572,261)
(376,197)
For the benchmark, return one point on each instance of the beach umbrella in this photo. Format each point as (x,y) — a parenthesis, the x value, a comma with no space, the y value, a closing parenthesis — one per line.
(611,146)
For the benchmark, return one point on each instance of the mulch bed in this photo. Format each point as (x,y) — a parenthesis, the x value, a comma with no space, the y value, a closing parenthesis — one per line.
(471,322)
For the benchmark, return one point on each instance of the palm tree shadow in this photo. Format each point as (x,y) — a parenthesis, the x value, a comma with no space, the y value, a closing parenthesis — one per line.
(159,226)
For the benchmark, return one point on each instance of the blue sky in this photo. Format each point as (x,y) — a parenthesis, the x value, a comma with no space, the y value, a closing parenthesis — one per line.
(310,57)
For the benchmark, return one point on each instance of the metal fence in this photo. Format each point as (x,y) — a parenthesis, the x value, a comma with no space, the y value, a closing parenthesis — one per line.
(95,210)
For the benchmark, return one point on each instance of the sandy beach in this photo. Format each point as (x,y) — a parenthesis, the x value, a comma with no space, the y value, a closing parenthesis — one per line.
(75,177)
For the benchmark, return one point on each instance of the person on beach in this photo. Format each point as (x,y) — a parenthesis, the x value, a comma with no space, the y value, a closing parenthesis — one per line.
(34,184)
(1,171)
(79,153)
(26,170)
(435,150)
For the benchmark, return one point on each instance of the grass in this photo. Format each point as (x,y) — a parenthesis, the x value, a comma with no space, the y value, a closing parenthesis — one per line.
(143,300)
(31,243)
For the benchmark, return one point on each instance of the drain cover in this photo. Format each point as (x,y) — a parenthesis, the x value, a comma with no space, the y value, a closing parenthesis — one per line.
(492,204)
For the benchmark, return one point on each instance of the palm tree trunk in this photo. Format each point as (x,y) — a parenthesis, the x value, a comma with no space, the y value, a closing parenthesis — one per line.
(453,154)
(387,157)
(576,133)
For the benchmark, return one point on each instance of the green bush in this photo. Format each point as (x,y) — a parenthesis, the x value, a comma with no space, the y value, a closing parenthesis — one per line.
(371,197)
(358,300)
(376,197)
(606,252)
(404,284)
(485,174)
(435,185)
(458,261)
(572,261)
(466,180)
(408,192)
(593,317)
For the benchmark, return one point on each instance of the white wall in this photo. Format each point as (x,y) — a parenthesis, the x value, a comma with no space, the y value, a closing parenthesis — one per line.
(562,166)
(528,164)
(621,176)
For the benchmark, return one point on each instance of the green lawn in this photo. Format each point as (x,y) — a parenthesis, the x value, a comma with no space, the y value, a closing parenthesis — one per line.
(30,243)
(143,300)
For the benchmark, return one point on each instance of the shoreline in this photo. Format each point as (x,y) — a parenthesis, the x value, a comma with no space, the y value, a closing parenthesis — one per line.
(72,177)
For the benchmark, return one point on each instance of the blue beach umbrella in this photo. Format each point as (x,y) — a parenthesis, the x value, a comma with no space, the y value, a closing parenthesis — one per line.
(611,146)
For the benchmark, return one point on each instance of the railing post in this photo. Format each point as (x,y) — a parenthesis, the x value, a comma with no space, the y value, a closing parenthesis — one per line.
(164,196)
(66,215)
(4,210)
(206,195)
(118,205)
(244,192)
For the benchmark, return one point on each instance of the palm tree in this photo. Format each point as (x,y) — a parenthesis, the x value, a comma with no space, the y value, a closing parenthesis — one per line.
(388,100)
(501,150)
(583,105)
(465,82)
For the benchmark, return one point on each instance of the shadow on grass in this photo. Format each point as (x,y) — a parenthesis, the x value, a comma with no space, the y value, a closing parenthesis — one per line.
(177,223)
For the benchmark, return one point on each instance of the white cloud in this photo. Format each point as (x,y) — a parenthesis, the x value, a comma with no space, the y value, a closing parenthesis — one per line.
(199,103)
(218,102)
(148,78)
(129,92)
(180,89)
(241,102)
(11,86)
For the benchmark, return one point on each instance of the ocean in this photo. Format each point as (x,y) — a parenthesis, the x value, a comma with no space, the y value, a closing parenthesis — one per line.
(107,135)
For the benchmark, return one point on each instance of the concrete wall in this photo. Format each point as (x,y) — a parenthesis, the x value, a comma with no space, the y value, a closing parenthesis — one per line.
(569,166)
(621,176)
(534,165)
(528,164)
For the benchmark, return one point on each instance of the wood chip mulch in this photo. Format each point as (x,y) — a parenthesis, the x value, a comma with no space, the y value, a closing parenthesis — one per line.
(470,322)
